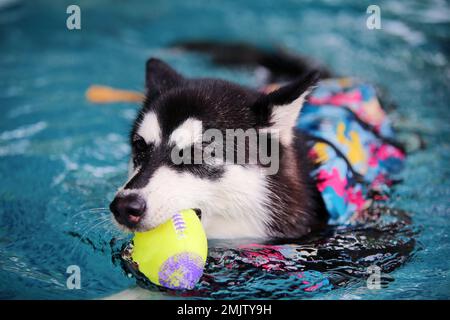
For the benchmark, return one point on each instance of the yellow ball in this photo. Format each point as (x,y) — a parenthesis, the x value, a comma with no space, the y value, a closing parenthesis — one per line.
(173,254)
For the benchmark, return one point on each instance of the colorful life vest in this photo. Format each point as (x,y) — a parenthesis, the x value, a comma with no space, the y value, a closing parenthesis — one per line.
(351,142)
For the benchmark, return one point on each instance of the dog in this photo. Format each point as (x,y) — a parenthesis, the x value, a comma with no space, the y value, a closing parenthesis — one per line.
(236,200)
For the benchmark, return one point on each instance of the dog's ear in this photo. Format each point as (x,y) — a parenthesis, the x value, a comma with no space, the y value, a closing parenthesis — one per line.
(160,77)
(279,109)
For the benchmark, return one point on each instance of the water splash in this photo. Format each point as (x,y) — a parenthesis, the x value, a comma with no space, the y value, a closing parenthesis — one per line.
(335,258)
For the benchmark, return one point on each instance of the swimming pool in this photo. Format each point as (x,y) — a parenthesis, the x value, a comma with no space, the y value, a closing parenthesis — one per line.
(61,158)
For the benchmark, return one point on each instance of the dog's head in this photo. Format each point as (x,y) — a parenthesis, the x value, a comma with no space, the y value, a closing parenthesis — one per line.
(174,167)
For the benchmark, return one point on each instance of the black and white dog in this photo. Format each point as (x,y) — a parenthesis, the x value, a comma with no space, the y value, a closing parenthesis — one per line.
(235,199)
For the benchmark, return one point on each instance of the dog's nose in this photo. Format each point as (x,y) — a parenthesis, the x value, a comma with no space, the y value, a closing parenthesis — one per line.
(128,210)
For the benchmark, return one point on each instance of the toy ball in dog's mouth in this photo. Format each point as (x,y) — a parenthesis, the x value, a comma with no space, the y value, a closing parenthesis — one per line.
(172,255)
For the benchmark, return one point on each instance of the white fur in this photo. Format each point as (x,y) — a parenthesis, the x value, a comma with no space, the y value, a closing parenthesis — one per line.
(239,208)
(232,206)
(188,133)
(284,118)
(149,129)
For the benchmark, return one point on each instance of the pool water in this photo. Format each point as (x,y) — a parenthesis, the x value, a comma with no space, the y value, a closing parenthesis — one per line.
(62,158)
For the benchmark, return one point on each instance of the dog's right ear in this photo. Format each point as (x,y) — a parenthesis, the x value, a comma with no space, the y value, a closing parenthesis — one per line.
(280,108)
(160,77)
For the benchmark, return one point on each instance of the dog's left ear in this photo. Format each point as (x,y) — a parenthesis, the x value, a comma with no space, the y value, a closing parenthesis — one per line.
(160,77)
(279,109)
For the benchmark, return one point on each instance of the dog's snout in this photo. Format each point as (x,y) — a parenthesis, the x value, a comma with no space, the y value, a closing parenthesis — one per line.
(128,210)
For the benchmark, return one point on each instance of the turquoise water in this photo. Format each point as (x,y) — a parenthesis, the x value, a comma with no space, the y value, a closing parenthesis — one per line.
(61,158)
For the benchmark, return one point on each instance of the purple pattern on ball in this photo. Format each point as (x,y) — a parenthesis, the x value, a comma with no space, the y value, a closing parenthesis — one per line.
(181,271)
(179,223)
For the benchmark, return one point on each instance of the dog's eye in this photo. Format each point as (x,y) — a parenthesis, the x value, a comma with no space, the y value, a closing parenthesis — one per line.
(139,144)
(141,150)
